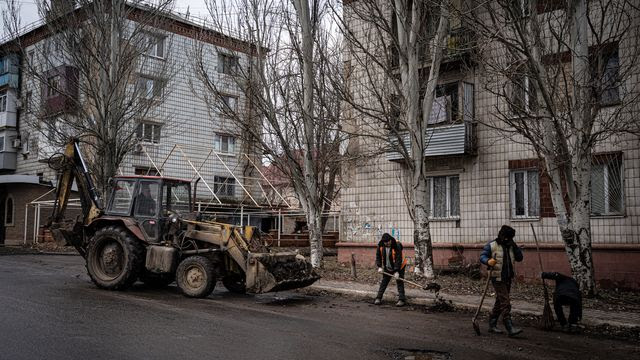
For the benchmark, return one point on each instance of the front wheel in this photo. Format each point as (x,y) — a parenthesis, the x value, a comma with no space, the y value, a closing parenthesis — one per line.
(114,258)
(235,283)
(196,277)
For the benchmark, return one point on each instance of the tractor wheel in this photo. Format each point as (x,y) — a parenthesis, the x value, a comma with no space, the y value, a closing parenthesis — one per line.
(235,283)
(196,277)
(156,281)
(114,258)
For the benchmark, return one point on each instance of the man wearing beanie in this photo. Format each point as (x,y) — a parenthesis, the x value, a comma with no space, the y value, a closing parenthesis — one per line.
(389,259)
(500,255)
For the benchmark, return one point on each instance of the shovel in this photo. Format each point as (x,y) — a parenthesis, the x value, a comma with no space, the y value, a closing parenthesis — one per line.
(474,321)
(431,286)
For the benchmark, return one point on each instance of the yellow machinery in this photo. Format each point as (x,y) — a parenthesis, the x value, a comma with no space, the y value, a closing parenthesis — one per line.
(148,231)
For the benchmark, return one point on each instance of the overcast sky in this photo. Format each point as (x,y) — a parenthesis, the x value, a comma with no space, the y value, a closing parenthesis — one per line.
(29,10)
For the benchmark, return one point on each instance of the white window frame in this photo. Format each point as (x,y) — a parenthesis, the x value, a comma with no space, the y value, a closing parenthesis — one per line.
(154,40)
(6,212)
(217,143)
(448,215)
(605,184)
(150,88)
(512,193)
(4,98)
(153,125)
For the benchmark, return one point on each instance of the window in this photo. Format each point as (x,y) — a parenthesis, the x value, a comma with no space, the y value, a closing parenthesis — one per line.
(227,64)
(31,55)
(150,88)
(8,211)
(156,46)
(521,8)
(605,68)
(444,196)
(607,193)
(147,199)
(122,195)
(229,101)
(445,104)
(224,186)
(3,100)
(525,193)
(523,93)
(26,102)
(145,171)
(224,143)
(148,132)
(53,85)
(176,197)
(1,142)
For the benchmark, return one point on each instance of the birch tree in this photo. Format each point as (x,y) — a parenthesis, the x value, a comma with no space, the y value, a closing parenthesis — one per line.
(562,74)
(292,113)
(97,72)
(395,50)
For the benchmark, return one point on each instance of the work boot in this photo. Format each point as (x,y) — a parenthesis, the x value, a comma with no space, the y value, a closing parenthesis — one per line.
(512,331)
(493,326)
(377,302)
(400,303)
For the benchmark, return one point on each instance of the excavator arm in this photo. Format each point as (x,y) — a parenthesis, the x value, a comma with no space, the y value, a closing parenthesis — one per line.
(73,167)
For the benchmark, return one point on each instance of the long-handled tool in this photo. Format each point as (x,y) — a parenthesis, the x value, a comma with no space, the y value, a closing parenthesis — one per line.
(474,321)
(430,286)
(547,317)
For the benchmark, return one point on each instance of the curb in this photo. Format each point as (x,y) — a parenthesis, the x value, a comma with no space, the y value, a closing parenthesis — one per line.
(425,301)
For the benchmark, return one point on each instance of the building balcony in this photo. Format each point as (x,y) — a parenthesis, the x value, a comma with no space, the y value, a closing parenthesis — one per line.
(446,140)
(9,80)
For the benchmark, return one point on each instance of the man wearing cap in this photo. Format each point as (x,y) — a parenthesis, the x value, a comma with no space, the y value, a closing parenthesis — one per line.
(389,259)
(500,255)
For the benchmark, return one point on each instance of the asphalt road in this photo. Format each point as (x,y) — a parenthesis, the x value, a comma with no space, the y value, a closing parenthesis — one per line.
(50,310)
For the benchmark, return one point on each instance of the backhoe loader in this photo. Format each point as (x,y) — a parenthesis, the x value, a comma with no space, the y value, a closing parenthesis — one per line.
(148,231)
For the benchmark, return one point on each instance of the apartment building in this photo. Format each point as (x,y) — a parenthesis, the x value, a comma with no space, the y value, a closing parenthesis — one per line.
(480,178)
(180,137)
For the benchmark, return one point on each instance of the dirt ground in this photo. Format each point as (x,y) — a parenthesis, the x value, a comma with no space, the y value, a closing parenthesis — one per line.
(458,284)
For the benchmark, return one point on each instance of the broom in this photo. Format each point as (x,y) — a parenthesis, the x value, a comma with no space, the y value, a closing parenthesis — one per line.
(547,316)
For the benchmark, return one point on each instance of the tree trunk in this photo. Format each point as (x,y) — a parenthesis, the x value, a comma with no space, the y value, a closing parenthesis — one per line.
(315,236)
(421,232)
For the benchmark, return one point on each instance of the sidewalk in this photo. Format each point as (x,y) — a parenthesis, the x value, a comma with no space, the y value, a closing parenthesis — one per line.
(419,297)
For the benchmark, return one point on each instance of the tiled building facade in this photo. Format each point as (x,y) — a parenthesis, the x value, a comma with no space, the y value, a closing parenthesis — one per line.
(182,136)
(499,182)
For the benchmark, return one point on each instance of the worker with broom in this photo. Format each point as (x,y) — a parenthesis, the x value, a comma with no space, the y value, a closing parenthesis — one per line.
(389,260)
(567,293)
(500,255)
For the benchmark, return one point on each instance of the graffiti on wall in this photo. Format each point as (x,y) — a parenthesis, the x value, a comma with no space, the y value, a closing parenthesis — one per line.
(358,227)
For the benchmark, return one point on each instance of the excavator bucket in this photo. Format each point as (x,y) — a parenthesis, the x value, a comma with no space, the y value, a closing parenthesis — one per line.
(68,232)
(270,272)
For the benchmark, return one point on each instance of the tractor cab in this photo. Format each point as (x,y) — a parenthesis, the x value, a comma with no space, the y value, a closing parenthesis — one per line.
(150,200)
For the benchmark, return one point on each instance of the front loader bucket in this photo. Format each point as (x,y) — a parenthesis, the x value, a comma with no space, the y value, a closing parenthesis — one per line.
(270,272)
(68,232)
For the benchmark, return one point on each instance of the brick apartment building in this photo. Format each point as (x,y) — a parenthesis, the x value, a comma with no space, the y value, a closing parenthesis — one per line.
(480,179)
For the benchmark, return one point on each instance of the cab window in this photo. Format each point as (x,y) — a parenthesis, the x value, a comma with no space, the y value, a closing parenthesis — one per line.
(176,198)
(147,199)
(122,196)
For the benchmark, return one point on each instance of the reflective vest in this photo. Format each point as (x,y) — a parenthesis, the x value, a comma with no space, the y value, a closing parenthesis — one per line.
(393,257)
(498,253)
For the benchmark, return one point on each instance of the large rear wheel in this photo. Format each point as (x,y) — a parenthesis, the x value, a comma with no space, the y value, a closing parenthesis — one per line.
(196,277)
(114,258)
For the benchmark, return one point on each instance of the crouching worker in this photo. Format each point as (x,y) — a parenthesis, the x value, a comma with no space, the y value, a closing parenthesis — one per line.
(567,293)
(389,259)
(500,255)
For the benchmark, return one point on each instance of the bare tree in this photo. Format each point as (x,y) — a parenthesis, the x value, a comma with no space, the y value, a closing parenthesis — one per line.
(395,50)
(561,72)
(291,113)
(100,69)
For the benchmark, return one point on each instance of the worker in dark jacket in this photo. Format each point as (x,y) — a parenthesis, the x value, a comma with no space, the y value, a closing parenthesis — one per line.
(500,255)
(567,293)
(389,259)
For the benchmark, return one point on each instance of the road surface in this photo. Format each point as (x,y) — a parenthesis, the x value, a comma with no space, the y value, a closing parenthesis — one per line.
(50,310)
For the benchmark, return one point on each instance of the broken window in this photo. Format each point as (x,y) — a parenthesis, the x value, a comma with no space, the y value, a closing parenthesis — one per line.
(227,64)
(224,186)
